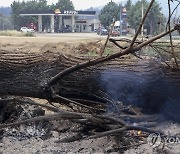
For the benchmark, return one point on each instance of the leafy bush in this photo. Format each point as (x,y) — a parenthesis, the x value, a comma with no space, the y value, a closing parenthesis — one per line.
(29,34)
(16,33)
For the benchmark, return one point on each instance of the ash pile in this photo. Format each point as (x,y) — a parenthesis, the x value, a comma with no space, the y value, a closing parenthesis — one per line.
(14,112)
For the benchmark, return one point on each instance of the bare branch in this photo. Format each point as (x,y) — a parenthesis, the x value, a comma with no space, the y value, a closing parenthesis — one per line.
(171,13)
(141,24)
(93,62)
(107,133)
(107,39)
(138,47)
(18,100)
(170,35)
(64,100)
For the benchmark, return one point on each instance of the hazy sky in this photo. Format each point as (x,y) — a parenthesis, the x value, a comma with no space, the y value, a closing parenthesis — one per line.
(79,4)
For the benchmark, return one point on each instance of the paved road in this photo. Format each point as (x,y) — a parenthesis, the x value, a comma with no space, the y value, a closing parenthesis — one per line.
(71,35)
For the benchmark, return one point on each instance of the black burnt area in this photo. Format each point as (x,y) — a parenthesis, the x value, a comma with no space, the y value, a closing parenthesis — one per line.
(154,93)
(11,112)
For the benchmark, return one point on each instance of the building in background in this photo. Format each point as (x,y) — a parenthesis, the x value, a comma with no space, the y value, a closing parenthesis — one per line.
(74,21)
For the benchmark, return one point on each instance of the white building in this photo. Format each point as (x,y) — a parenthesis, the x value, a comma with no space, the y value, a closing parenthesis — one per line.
(78,21)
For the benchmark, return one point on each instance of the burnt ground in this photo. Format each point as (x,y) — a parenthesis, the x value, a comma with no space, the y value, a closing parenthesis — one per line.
(52,137)
(45,137)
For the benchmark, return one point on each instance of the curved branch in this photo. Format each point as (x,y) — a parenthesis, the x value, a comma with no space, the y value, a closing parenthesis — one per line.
(170,36)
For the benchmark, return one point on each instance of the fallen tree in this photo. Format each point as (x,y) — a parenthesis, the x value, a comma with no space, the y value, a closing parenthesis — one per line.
(27,75)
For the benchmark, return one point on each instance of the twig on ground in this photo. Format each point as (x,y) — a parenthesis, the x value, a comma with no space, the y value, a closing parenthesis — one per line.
(110,124)
(18,100)
(111,101)
(155,49)
(64,100)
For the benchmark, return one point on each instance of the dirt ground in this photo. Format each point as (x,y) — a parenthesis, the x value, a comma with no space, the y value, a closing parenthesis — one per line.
(69,44)
(85,43)
(44,43)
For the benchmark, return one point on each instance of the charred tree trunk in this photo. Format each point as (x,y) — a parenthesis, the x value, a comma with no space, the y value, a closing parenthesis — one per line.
(27,74)
(131,81)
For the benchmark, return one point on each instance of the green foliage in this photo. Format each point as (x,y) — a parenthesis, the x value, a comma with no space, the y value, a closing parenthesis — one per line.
(5,22)
(108,13)
(5,11)
(108,51)
(16,33)
(154,20)
(65,5)
(29,34)
(18,7)
(128,5)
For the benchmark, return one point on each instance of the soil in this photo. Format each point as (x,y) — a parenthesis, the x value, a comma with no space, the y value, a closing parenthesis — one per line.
(44,138)
(67,45)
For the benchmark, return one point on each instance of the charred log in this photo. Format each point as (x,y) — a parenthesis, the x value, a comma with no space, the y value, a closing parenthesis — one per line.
(132,81)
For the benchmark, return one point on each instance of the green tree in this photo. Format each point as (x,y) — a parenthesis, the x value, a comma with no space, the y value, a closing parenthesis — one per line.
(5,22)
(65,5)
(128,5)
(18,7)
(109,12)
(154,20)
(36,6)
(15,11)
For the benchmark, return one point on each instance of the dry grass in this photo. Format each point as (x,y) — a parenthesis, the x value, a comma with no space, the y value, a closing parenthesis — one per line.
(15,33)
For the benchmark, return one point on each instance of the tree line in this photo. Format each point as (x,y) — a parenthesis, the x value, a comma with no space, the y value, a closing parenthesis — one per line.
(5,19)
(154,23)
(6,11)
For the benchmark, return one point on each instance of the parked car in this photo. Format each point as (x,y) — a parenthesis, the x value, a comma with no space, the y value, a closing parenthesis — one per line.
(95,30)
(64,30)
(115,33)
(27,30)
(102,31)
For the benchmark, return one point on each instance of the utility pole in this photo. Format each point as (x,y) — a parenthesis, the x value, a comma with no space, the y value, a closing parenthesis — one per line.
(3,26)
(120,18)
(142,29)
